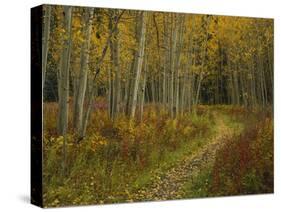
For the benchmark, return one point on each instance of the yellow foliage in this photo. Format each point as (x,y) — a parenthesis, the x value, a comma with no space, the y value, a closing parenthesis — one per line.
(97,141)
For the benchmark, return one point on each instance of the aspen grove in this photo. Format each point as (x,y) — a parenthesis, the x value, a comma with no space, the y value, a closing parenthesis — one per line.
(131,96)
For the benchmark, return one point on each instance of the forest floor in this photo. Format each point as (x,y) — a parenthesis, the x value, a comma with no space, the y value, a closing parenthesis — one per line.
(217,151)
(172,184)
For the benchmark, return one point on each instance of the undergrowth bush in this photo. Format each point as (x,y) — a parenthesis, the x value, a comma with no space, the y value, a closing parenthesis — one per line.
(245,164)
(114,157)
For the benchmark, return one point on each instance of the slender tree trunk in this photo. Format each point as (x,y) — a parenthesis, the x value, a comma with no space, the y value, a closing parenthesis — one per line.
(190,91)
(236,86)
(253,83)
(179,45)
(186,90)
(204,51)
(142,97)
(89,107)
(92,89)
(109,93)
(82,85)
(165,61)
(64,75)
(64,83)
(130,85)
(46,35)
(198,87)
(153,93)
(139,61)
(173,44)
(115,66)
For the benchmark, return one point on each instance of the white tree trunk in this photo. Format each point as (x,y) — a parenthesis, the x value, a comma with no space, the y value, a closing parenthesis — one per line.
(204,51)
(64,83)
(180,29)
(173,43)
(139,61)
(64,75)
(83,77)
(115,67)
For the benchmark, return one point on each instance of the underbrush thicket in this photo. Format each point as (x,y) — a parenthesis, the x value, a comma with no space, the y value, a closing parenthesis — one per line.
(245,163)
(116,158)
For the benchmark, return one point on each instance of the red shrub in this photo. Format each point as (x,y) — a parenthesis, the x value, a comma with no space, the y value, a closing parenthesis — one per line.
(245,164)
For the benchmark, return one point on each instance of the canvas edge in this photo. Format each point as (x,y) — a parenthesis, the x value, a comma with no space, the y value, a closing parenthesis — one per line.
(36,106)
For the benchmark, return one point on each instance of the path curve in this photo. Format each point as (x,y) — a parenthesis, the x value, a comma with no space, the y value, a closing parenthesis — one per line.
(170,185)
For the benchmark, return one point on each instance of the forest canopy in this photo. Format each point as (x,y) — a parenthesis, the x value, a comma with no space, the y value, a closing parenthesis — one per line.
(137,57)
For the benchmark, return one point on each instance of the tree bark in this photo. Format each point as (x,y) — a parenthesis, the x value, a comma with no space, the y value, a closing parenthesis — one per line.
(64,83)
(83,77)
(92,89)
(143,91)
(204,51)
(173,43)
(64,74)
(115,67)
(139,61)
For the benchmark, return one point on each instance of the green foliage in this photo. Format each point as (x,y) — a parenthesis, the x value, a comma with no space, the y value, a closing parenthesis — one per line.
(117,158)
